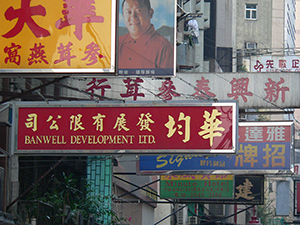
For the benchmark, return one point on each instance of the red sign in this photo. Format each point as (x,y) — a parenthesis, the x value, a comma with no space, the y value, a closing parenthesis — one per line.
(180,128)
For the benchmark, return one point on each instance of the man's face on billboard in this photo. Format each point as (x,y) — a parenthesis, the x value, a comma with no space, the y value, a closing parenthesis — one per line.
(137,17)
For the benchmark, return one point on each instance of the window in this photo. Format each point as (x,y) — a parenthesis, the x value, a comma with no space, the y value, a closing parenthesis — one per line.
(251,11)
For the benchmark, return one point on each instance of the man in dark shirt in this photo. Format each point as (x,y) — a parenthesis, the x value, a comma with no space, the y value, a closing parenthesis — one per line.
(143,47)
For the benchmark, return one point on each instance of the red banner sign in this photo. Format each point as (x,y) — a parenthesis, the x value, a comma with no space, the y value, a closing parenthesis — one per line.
(180,128)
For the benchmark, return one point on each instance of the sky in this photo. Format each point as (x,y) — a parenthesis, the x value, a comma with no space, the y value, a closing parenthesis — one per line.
(164,13)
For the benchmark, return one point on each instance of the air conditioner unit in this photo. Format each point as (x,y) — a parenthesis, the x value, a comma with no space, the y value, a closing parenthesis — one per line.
(251,45)
(193,220)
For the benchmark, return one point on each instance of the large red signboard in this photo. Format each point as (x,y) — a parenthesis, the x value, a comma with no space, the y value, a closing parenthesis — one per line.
(209,128)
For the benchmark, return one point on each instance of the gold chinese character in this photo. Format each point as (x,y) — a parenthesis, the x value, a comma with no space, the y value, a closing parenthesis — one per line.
(145,122)
(32,121)
(171,124)
(245,190)
(76,123)
(54,125)
(278,158)
(99,121)
(210,126)
(121,123)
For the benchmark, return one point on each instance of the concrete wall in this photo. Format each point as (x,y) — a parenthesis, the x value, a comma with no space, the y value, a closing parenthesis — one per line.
(260,30)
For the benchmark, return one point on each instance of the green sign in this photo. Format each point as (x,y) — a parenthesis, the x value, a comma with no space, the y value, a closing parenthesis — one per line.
(197,186)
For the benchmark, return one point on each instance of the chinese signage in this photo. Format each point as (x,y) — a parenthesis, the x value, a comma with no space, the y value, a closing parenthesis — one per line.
(296,197)
(196,186)
(147,38)
(268,90)
(249,189)
(57,35)
(262,146)
(289,63)
(238,189)
(207,128)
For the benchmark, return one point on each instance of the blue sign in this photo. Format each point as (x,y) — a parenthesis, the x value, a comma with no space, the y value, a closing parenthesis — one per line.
(261,147)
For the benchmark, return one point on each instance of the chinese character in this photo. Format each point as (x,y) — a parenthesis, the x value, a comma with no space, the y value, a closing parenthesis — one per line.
(254,134)
(202,89)
(245,190)
(167,90)
(92,53)
(295,63)
(273,90)
(99,121)
(24,15)
(210,126)
(171,123)
(258,66)
(270,64)
(240,87)
(133,88)
(205,176)
(96,84)
(32,121)
(78,12)
(54,125)
(65,53)
(249,152)
(282,63)
(145,122)
(276,133)
(76,122)
(12,52)
(37,54)
(121,123)
(275,155)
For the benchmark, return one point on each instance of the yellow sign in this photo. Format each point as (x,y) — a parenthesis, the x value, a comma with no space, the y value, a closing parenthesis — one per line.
(57,34)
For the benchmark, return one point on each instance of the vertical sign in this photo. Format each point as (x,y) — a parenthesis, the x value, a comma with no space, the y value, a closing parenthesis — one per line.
(146,37)
(63,35)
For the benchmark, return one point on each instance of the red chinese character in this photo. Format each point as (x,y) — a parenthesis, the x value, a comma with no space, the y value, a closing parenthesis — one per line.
(133,88)
(273,90)
(240,88)
(65,53)
(77,12)
(270,63)
(202,90)
(295,63)
(24,14)
(37,55)
(96,85)
(92,53)
(12,52)
(258,66)
(282,63)
(167,90)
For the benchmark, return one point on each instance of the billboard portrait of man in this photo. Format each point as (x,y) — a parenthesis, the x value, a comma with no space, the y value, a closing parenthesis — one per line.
(142,49)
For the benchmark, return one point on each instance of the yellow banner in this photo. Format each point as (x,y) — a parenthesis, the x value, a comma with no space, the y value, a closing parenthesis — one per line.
(56,34)
(196,177)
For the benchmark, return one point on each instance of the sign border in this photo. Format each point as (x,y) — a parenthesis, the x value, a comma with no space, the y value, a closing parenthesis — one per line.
(18,105)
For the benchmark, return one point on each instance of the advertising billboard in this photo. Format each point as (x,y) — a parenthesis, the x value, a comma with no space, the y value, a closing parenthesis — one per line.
(196,186)
(147,39)
(121,128)
(275,64)
(57,36)
(262,146)
(226,189)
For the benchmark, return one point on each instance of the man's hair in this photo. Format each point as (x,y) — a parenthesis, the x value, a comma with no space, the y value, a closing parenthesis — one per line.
(146,2)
